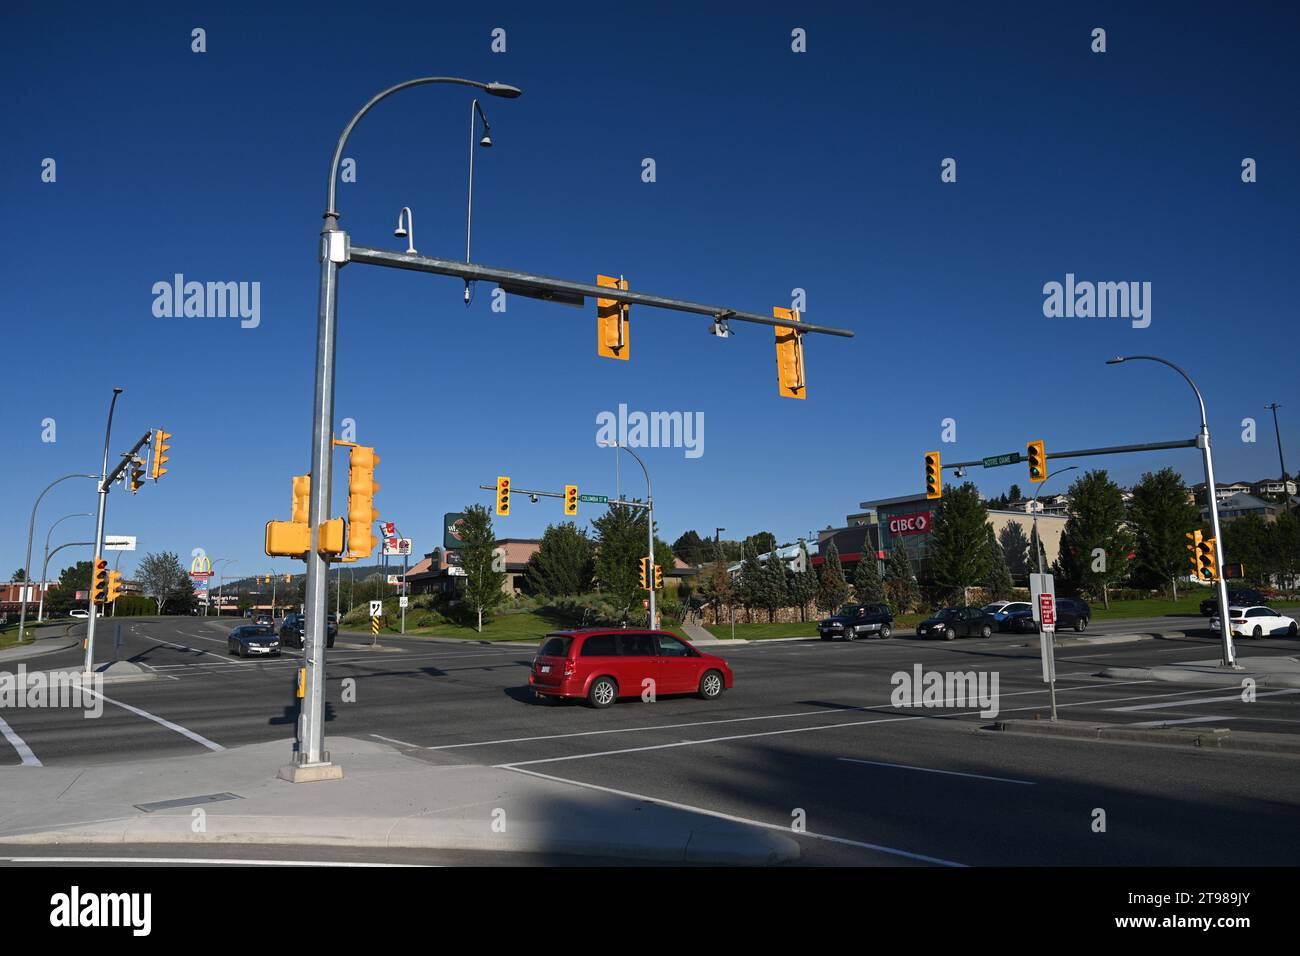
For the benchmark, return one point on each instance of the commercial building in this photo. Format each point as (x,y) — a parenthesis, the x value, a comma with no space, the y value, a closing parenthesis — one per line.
(439,571)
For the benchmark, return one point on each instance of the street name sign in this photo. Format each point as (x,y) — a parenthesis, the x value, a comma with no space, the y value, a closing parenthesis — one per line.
(594,499)
(1011,458)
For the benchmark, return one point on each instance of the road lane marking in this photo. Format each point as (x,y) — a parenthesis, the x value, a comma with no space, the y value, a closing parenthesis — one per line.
(183,731)
(951,773)
(780,828)
(197,861)
(20,745)
(1205,700)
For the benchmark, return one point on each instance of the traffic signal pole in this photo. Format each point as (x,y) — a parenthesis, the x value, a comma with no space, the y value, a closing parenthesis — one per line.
(99,535)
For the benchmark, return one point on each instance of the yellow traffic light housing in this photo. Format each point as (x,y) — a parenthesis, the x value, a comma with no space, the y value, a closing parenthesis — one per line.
(791,382)
(933,475)
(136,481)
(644,565)
(288,578)
(161,445)
(1036,456)
(114,588)
(288,539)
(362,489)
(659,577)
(1194,552)
(570,499)
(99,581)
(503,495)
(300,511)
(612,325)
(1208,569)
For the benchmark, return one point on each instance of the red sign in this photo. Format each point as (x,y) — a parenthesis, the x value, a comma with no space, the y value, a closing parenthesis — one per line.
(1047,610)
(917,522)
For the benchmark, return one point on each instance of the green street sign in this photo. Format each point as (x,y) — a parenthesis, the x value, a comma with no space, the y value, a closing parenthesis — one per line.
(1011,458)
(594,499)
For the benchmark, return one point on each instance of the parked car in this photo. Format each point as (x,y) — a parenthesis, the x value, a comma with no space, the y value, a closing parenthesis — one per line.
(858,620)
(994,607)
(79,612)
(1237,597)
(249,640)
(1003,619)
(263,620)
(603,665)
(1258,621)
(292,625)
(953,622)
(1070,613)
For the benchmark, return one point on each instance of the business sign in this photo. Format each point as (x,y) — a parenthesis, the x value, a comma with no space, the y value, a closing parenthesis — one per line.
(918,522)
(395,579)
(397,546)
(388,528)
(201,567)
(119,542)
(452,525)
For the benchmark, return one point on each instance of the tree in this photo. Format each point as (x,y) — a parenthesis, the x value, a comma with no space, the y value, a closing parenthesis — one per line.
(900,581)
(764,542)
(959,555)
(18,576)
(1248,540)
(749,580)
(1095,542)
(1284,548)
(484,565)
(1014,493)
(773,593)
(162,577)
(998,584)
(716,588)
(564,562)
(867,584)
(1015,549)
(62,599)
(802,586)
(1161,514)
(692,549)
(620,535)
(832,589)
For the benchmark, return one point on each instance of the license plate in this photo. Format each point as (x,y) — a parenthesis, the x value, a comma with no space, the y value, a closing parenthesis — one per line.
(546,668)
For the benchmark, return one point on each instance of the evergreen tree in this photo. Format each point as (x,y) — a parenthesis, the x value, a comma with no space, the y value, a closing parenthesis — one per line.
(958,552)
(716,588)
(900,582)
(1248,540)
(564,562)
(63,598)
(484,565)
(832,589)
(692,549)
(774,594)
(620,545)
(1161,514)
(764,542)
(1015,550)
(749,582)
(867,584)
(1014,493)
(998,584)
(1095,543)
(802,586)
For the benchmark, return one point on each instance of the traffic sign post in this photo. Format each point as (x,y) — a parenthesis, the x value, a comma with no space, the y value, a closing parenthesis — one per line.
(1042,592)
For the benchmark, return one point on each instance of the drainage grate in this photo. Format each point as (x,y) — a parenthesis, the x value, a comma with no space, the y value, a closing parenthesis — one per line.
(187,801)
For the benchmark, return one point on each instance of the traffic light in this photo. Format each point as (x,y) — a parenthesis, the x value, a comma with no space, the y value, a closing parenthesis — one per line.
(161,445)
(789,357)
(1209,567)
(136,481)
(330,542)
(292,539)
(1194,552)
(99,581)
(1036,455)
(659,577)
(612,325)
(362,489)
(288,578)
(503,495)
(114,590)
(933,475)
(645,574)
(300,511)
(570,499)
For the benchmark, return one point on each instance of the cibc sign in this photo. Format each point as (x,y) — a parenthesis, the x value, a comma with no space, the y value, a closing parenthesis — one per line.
(918,522)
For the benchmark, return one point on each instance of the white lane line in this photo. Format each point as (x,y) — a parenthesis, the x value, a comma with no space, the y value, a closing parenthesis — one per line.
(1205,700)
(892,851)
(20,745)
(183,731)
(198,861)
(951,773)
(394,740)
(1185,720)
(185,647)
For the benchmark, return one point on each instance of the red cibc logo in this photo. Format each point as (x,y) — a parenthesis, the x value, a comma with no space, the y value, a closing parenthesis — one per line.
(916,523)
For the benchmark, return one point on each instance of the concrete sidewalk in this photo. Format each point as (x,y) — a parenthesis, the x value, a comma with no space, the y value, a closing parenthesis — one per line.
(387,798)
(1264,671)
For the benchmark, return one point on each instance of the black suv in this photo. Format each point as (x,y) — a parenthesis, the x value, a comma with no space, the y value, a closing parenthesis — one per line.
(1237,597)
(1070,612)
(957,622)
(858,620)
(291,630)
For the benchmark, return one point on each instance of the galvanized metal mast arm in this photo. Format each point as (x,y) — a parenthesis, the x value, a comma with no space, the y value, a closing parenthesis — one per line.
(126,459)
(1084,452)
(533,492)
(566,291)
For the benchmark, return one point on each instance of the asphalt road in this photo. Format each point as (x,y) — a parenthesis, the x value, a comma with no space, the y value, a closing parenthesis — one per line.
(807,733)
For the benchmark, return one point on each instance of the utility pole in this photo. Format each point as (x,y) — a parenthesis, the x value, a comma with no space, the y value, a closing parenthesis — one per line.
(99,534)
(1281,462)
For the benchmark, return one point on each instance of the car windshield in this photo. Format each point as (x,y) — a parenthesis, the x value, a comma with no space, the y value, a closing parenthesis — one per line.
(256,632)
(947,614)
(991,608)
(851,610)
(1015,606)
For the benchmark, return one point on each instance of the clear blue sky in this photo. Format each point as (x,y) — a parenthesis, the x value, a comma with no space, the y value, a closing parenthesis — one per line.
(775,170)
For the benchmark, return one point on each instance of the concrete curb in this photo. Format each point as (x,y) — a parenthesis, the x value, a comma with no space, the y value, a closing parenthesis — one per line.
(26,650)
(1179,675)
(1214,738)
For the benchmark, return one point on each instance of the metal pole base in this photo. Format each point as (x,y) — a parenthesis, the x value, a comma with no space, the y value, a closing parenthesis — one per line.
(301,771)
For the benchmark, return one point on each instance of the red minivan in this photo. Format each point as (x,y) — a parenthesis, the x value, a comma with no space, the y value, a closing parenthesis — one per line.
(603,665)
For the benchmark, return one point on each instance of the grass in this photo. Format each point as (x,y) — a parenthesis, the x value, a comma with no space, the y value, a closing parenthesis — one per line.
(9,633)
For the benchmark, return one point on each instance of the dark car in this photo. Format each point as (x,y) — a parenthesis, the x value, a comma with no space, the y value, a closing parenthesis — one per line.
(858,620)
(1237,597)
(954,622)
(250,640)
(292,625)
(263,620)
(1070,613)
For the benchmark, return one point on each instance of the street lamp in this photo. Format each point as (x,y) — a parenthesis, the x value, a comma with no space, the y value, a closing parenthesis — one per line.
(45,564)
(1203,442)
(486,143)
(222,580)
(650,520)
(333,252)
(27,567)
(1038,541)
(99,532)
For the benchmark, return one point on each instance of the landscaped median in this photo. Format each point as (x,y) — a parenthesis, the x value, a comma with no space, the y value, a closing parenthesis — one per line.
(386,798)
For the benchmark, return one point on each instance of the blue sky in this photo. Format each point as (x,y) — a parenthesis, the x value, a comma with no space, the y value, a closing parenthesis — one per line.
(775,171)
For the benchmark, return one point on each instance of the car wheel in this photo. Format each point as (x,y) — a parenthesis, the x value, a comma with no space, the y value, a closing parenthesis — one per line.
(230,649)
(850,634)
(329,643)
(1258,632)
(886,632)
(1081,625)
(1291,631)
(711,685)
(949,634)
(986,632)
(603,692)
